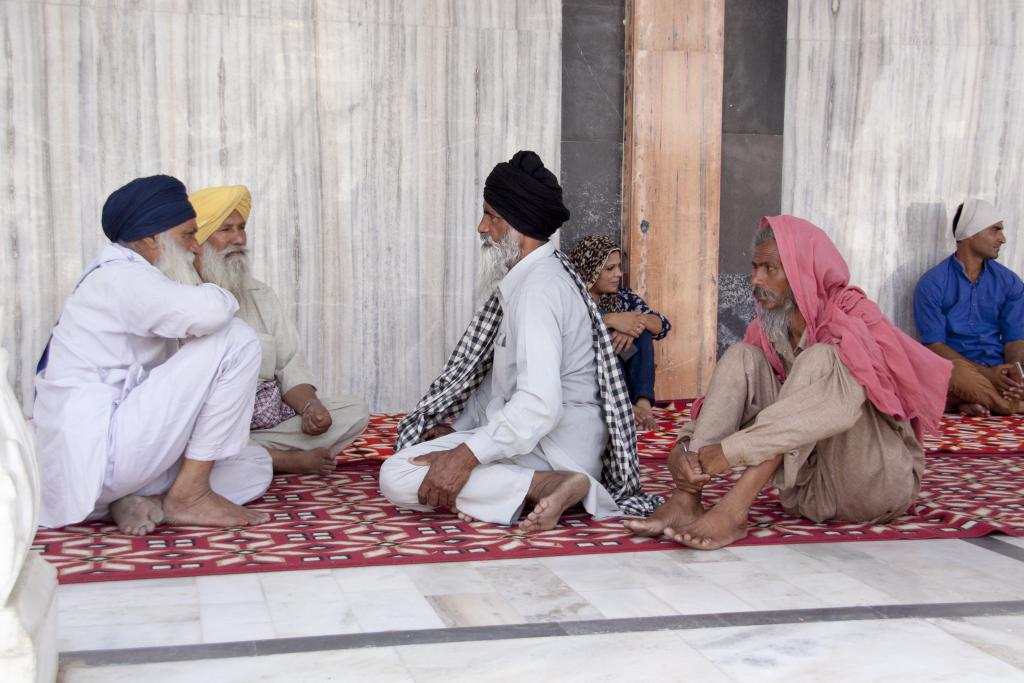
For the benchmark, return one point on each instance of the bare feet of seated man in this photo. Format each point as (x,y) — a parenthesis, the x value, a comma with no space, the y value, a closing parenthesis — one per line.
(552,493)
(137,515)
(684,506)
(313,461)
(191,502)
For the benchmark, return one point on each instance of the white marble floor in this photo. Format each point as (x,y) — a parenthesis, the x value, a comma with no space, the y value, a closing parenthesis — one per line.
(741,584)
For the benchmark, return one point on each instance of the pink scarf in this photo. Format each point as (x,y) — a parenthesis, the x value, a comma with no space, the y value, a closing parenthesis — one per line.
(902,378)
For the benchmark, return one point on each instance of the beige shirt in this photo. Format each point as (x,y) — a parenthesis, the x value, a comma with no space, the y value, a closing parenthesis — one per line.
(282,360)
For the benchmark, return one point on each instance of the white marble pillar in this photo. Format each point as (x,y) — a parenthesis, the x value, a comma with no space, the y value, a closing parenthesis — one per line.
(364,129)
(895,113)
(28,585)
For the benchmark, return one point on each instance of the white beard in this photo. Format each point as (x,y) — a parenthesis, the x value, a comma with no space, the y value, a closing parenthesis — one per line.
(228,269)
(176,262)
(496,259)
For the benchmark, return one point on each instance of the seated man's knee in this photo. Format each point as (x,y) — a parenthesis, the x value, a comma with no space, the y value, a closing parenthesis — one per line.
(816,357)
(400,480)
(241,337)
(742,353)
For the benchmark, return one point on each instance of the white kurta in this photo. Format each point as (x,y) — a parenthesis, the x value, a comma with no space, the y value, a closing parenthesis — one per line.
(115,353)
(284,361)
(538,409)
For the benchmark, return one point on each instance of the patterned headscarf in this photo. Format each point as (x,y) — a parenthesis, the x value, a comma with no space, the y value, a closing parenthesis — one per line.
(588,257)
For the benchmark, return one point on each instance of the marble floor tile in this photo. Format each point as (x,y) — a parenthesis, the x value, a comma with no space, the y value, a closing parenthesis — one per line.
(300,587)
(116,636)
(228,622)
(447,578)
(697,595)
(381,665)
(395,610)
(127,602)
(613,657)
(313,618)
(214,590)
(474,609)
(363,579)
(623,570)
(855,651)
(536,592)
(1001,637)
(625,603)
(756,586)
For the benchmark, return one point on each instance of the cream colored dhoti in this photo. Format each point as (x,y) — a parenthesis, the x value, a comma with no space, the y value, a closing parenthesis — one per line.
(349,417)
(842,458)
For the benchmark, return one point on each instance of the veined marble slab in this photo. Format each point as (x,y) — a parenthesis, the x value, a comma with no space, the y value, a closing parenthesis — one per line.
(895,113)
(364,130)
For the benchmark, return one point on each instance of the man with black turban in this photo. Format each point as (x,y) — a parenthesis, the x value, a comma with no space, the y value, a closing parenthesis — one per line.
(544,417)
(144,392)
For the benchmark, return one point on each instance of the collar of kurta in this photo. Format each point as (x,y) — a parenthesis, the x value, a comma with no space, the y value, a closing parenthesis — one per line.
(519,272)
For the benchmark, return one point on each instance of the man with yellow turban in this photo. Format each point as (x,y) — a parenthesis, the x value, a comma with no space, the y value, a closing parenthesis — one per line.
(301,431)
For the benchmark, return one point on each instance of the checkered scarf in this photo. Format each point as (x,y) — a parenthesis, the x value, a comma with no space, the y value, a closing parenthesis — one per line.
(472,360)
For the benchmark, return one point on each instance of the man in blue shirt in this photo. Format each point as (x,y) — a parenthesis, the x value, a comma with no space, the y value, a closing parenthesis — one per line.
(970,310)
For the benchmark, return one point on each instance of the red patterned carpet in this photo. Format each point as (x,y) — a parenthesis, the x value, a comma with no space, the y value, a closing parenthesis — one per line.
(974,488)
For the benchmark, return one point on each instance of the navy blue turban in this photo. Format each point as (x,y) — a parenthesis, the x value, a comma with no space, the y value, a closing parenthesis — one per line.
(144,207)
(527,195)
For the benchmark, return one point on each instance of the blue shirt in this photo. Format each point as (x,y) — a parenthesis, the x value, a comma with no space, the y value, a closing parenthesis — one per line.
(974,319)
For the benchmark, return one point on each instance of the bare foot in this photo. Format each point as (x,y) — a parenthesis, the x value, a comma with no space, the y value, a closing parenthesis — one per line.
(137,515)
(975,410)
(462,515)
(678,512)
(210,509)
(555,492)
(313,461)
(644,415)
(716,528)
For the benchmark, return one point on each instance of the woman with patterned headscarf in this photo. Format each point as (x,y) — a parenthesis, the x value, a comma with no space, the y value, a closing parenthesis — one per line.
(634,326)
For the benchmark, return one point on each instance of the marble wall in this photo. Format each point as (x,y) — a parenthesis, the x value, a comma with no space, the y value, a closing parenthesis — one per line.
(364,128)
(895,112)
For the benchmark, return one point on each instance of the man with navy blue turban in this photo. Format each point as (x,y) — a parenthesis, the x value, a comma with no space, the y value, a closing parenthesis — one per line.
(144,392)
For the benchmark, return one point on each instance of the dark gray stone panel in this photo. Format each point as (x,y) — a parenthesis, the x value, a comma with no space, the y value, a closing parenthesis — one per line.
(735,308)
(592,189)
(593,61)
(754,91)
(751,188)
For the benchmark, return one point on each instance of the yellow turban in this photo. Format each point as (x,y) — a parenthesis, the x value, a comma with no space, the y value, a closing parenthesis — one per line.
(214,204)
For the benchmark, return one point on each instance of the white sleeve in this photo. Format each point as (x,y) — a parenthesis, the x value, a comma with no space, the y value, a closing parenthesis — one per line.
(536,406)
(160,307)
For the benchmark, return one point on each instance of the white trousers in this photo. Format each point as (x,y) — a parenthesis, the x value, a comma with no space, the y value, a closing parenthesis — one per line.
(197,405)
(495,492)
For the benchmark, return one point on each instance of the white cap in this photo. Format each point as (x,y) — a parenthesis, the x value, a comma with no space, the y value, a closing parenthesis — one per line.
(976,215)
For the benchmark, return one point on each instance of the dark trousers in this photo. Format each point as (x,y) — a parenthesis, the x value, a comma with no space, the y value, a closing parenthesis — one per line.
(639,369)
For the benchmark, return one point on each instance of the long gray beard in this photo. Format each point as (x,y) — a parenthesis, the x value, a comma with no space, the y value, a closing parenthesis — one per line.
(228,272)
(496,259)
(775,321)
(176,262)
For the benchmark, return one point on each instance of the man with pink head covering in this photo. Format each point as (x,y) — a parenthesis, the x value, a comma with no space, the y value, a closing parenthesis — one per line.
(825,398)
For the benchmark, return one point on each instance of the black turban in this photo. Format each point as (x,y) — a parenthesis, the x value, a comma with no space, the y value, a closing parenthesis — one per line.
(144,207)
(527,195)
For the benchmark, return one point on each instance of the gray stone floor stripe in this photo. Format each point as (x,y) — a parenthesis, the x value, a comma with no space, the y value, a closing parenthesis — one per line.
(996,545)
(349,641)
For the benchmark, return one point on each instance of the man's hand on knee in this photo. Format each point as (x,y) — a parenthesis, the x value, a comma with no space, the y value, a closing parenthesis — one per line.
(686,470)
(448,473)
(316,419)
(712,460)
(1007,381)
